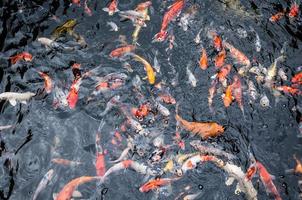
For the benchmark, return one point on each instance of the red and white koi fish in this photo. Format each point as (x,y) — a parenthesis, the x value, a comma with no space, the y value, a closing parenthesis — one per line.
(156,183)
(87,9)
(21,56)
(192,162)
(112,8)
(173,11)
(267,181)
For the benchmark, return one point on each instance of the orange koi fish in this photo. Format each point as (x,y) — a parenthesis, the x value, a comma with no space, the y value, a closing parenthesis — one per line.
(276,17)
(112,8)
(156,183)
(223,73)
(47,82)
(142,6)
(68,189)
(289,90)
(121,51)
(267,181)
(61,161)
(73,95)
(237,92)
(100,164)
(227,97)
(219,59)
(173,11)
(298,168)
(294,10)
(203,62)
(142,111)
(77,2)
(217,42)
(24,55)
(297,79)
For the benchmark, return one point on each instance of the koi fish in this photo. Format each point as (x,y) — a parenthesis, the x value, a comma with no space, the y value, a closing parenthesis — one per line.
(191,196)
(212,91)
(289,90)
(267,181)
(203,61)
(239,57)
(192,79)
(294,10)
(237,92)
(144,5)
(188,16)
(166,98)
(162,109)
(156,64)
(298,168)
(21,56)
(264,101)
(272,71)
(77,2)
(217,41)
(142,111)
(192,162)
(253,94)
(60,98)
(276,17)
(113,26)
(121,51)
(197,38)
(227,97)
(65,162)
(148,68)
(173,11)
(5,127)
(203,129)
(223,73)
(100,164)
(219,59)
(47,82)
(69,188)
(297,78)
(13,97)
(282,74)
(156,183)
(122,156)
(51,44)
(73,95)
(169,166)
(43,183)
(235,172)
(112,102)
(112,8)
(203,149)
(87,9)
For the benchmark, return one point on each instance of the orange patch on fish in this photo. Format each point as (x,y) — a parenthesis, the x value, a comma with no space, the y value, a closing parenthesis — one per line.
(203,62)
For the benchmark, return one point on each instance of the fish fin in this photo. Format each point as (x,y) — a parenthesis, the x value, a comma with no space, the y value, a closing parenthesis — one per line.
(54,196)
(13,102)
(77,194)
(105,9)
(24,102)
(273,177)
(229,181)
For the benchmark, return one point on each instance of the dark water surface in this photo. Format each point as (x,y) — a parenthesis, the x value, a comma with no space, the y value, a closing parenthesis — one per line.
(41,132)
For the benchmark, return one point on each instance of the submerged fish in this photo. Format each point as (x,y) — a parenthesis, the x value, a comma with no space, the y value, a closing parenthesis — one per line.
(43,183)
(191,77)
(113,26)
(112,8)
(21,56)
(66,27)
(148,68)
(13,97)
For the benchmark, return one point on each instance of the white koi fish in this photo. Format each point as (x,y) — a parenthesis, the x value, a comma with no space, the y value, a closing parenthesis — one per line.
(13,97)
